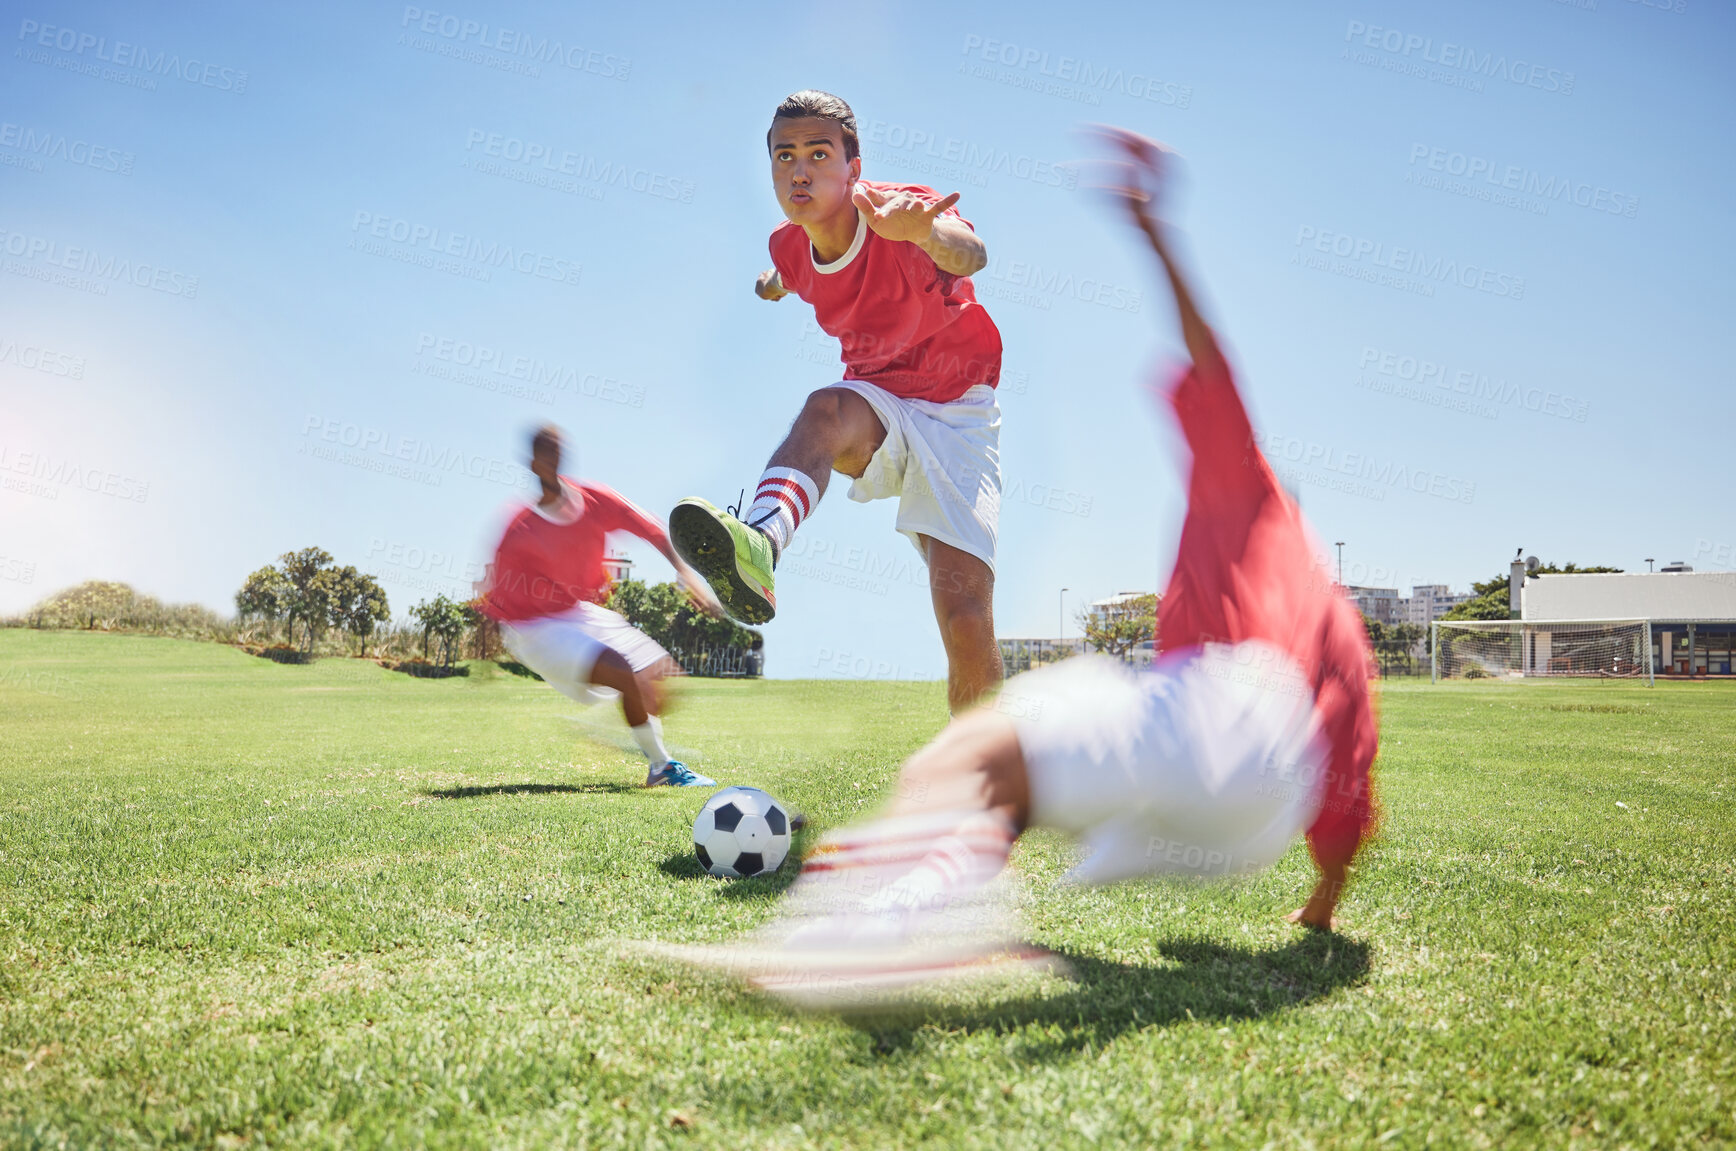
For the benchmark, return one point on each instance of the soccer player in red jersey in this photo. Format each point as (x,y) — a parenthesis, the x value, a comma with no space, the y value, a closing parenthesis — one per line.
(546,587)
(1254,725)
(887,269)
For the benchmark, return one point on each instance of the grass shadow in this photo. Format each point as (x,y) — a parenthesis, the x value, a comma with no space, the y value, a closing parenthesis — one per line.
(1205,981)
(685,865)
(486,789)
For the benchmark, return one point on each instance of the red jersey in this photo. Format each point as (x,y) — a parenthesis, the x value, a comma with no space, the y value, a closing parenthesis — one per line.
(1239,575)
(544,565)
(902,323)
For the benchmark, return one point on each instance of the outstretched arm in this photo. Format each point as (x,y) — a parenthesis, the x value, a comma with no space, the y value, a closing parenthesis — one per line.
(1143,178)
(949,241)
(691,581)
(629,517)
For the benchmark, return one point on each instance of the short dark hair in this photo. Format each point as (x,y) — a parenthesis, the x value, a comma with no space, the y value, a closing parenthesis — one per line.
(546,436)
(811,102)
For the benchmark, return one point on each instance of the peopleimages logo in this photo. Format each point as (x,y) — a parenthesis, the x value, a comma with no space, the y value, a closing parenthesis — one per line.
(47,145)
(88,46)
(1042,283)
(40,474)
(554,161)
(540,377)
(1380,257)
(406,457)
(91,270)
(970,158)
(1508,184)
(464,34)
(1320,460)
(40,359)
(1078,77)
(1470,383)
(1420,55)
(423,243)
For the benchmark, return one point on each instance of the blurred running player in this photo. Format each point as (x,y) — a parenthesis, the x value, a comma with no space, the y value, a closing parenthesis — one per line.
(887,268)
(1253,726)
(546,588)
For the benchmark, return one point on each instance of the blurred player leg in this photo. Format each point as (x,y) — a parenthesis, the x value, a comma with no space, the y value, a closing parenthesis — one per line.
(592,647)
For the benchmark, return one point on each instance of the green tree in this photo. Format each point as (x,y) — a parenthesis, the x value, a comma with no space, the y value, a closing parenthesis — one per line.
(89,604)
(442,619)
(358,604)
(312,585)
(1121,628)
(1394,643)
(263,597)
(663,612)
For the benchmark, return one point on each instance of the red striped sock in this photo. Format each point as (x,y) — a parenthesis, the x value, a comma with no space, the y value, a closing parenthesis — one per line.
(785,497)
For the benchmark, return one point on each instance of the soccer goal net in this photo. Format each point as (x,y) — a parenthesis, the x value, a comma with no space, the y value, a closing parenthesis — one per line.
(1520,649)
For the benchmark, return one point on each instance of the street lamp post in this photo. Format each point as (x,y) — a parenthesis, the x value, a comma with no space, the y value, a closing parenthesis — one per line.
(1340,546)
(1061,613)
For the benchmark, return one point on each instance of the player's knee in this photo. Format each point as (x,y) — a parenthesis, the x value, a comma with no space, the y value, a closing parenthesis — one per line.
(823,413)
(964,619)
(612,670)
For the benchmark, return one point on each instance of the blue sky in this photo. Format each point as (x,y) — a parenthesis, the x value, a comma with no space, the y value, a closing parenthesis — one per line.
(299,275)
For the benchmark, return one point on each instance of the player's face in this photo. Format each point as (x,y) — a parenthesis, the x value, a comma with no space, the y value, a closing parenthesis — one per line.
(545,460)
(812,179)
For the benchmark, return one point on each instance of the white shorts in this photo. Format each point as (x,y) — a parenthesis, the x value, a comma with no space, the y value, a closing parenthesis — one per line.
(1206,764)
(943,462)
(563,648)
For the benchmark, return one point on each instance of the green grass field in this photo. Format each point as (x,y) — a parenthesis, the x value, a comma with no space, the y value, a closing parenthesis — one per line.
(244,904)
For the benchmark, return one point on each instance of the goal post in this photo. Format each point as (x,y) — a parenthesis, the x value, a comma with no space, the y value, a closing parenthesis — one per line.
(1526,649)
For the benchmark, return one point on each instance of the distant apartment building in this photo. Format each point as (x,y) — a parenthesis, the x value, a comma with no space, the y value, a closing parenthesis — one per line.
(1429,602)
(1425,604)
(1380,604)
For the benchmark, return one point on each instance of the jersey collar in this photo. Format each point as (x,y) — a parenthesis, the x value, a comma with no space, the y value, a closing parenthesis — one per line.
(570,509)
(843,261)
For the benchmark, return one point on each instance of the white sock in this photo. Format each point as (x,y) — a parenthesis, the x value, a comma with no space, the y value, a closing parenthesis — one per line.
(956,864)
(649,736)
(785,497)
(908,863)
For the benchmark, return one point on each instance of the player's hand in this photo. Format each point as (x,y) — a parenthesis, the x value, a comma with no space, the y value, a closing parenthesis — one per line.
(1140,173)
(700,593)
(900,215)
(770,285)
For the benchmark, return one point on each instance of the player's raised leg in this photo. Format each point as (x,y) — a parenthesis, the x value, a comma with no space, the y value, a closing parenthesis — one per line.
(836,430)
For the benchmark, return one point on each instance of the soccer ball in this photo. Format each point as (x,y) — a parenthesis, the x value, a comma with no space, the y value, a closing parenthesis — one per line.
(741,832)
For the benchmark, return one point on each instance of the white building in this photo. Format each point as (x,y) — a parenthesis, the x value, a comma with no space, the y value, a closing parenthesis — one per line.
(1101,612)
(618,567)
(1692,614)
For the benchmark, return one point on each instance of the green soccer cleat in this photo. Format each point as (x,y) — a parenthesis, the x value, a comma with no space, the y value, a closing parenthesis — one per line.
(735,560)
